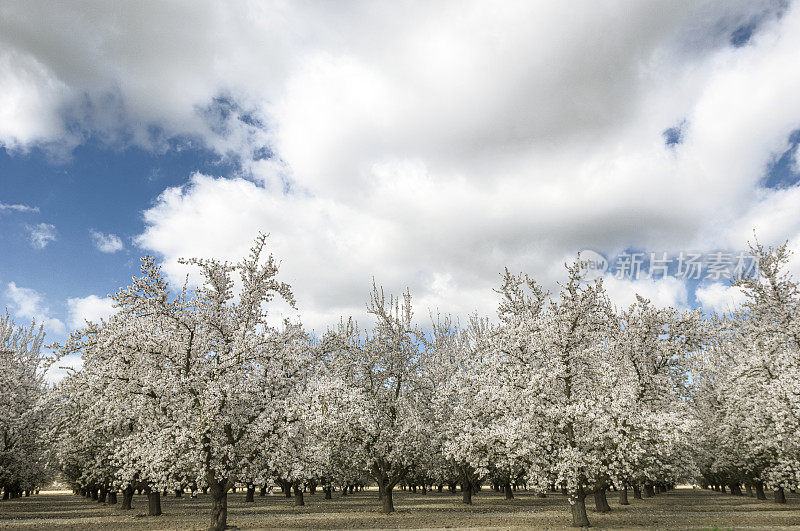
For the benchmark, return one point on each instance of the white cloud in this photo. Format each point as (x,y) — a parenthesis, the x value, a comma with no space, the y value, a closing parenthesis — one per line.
(667,291)
(428,144)
(26,303)
(720,298)
(90,308)
(106,243)
(17,208)
(41,234)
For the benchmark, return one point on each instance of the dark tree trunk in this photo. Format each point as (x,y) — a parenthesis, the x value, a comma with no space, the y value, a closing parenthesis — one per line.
(251,492)
(637,492)
(298,496)
(648,491)
(440,488)
(219,503)
(623,495)
(153,503)
(509,493)
(127,498)
(577,501)
(387,503)
(112,497)
(328,493)
(179,493)
(760,491)
(94,494)
(100,499)
(780,495)
(344,490)
(748,490)
(466,493)
(219,508)
(263,491)
(600,501)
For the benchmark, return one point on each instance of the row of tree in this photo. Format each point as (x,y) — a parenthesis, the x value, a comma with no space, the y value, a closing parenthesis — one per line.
(197,390)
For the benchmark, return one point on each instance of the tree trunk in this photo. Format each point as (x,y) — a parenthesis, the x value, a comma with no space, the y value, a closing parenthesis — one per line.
(94,494)
(648,491)
(780,495)
(637,492)
(112,497)
(127,498)
(748,489)
(179,493)
(466,493)
(100,499)
(760,491)
(600,501)
(263,491)
(328,494)
(153,503)
(298,496)
(251,492)
(219,504)
(387,503)
(509,493)
(623,495)
(577,501)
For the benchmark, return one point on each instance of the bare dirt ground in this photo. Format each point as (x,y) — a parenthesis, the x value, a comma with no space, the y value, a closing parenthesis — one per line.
(679,509)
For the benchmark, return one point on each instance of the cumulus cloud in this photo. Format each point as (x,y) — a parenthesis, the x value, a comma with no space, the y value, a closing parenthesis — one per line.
(41,234)
(720,298)
(667,291)
(17,208)
(90,308)
(106,243)
(428,144)
(26,303)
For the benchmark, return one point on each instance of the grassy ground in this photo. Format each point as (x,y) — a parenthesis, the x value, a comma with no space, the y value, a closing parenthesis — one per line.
(679,509)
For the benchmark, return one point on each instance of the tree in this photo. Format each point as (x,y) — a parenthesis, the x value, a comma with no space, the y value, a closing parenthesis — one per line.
(386,397)
(24,420)
(556,349)
(208,372)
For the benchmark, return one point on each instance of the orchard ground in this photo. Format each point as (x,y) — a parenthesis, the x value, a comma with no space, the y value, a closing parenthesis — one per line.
(682,508)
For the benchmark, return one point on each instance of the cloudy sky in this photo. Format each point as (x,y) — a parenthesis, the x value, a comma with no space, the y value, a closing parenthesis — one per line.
(425,144)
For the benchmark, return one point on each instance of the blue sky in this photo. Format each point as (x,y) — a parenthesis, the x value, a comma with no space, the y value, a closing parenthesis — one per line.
(427,145)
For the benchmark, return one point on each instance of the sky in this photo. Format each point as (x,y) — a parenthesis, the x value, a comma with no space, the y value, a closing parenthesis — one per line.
(427,145)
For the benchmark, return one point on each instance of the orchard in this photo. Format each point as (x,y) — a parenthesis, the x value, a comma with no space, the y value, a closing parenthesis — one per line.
(198,392)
